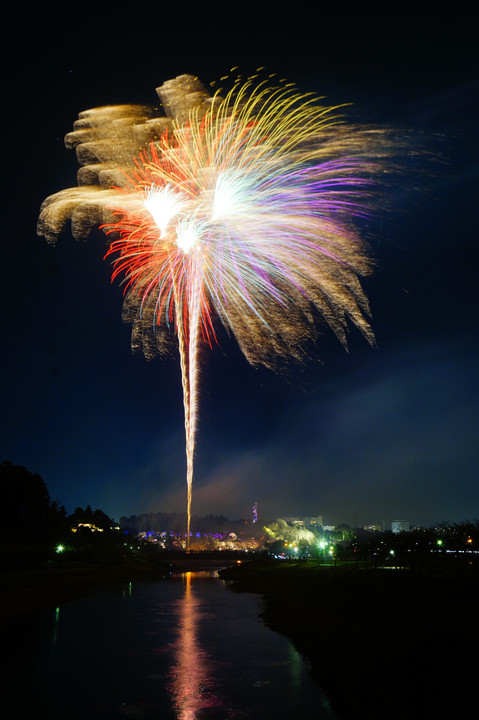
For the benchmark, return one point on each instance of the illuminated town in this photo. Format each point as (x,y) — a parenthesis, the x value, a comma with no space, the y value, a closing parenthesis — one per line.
(309,539)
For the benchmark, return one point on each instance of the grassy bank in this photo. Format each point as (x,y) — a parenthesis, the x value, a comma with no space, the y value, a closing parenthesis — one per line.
(383,644)
(30,589)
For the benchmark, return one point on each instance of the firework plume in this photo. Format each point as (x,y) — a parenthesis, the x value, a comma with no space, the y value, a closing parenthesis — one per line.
(237,208)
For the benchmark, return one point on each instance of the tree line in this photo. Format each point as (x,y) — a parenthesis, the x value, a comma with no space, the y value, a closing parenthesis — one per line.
(34,528)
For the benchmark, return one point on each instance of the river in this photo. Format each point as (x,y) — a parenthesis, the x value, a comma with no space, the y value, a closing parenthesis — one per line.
(185,648)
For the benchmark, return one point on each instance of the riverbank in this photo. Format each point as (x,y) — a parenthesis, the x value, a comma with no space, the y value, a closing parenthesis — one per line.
(383,644)
(31,589)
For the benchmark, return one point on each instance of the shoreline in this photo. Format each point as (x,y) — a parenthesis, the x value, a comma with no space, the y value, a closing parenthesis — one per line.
(382,644)
(29,590)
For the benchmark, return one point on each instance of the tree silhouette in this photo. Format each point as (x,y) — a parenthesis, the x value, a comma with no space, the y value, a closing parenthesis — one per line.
(26,503)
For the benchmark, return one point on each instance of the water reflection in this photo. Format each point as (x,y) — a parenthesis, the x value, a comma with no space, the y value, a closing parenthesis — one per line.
(55,629)
(186,648)
(192,684)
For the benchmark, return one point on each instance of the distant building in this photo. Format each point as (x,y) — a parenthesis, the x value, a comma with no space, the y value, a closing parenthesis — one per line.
(398,526)
(310,522)
(89,526)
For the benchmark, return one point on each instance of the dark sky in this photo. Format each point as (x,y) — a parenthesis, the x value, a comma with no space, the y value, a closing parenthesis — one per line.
(361,437)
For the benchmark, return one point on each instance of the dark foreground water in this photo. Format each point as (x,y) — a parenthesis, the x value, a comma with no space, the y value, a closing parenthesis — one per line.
(187,648)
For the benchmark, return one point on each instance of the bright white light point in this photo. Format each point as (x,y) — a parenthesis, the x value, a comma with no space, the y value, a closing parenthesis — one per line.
(187,235)
(163,204)
(225,201)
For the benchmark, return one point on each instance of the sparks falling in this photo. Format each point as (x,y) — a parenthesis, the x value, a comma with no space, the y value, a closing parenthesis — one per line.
(238,209)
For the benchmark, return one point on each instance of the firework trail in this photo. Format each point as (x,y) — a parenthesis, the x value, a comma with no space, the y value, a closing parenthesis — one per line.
(237,207)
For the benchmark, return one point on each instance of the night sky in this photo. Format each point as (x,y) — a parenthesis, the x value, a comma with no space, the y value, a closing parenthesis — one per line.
(363,437)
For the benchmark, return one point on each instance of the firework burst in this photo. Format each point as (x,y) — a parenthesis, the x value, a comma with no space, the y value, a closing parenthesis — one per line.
(240,209)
